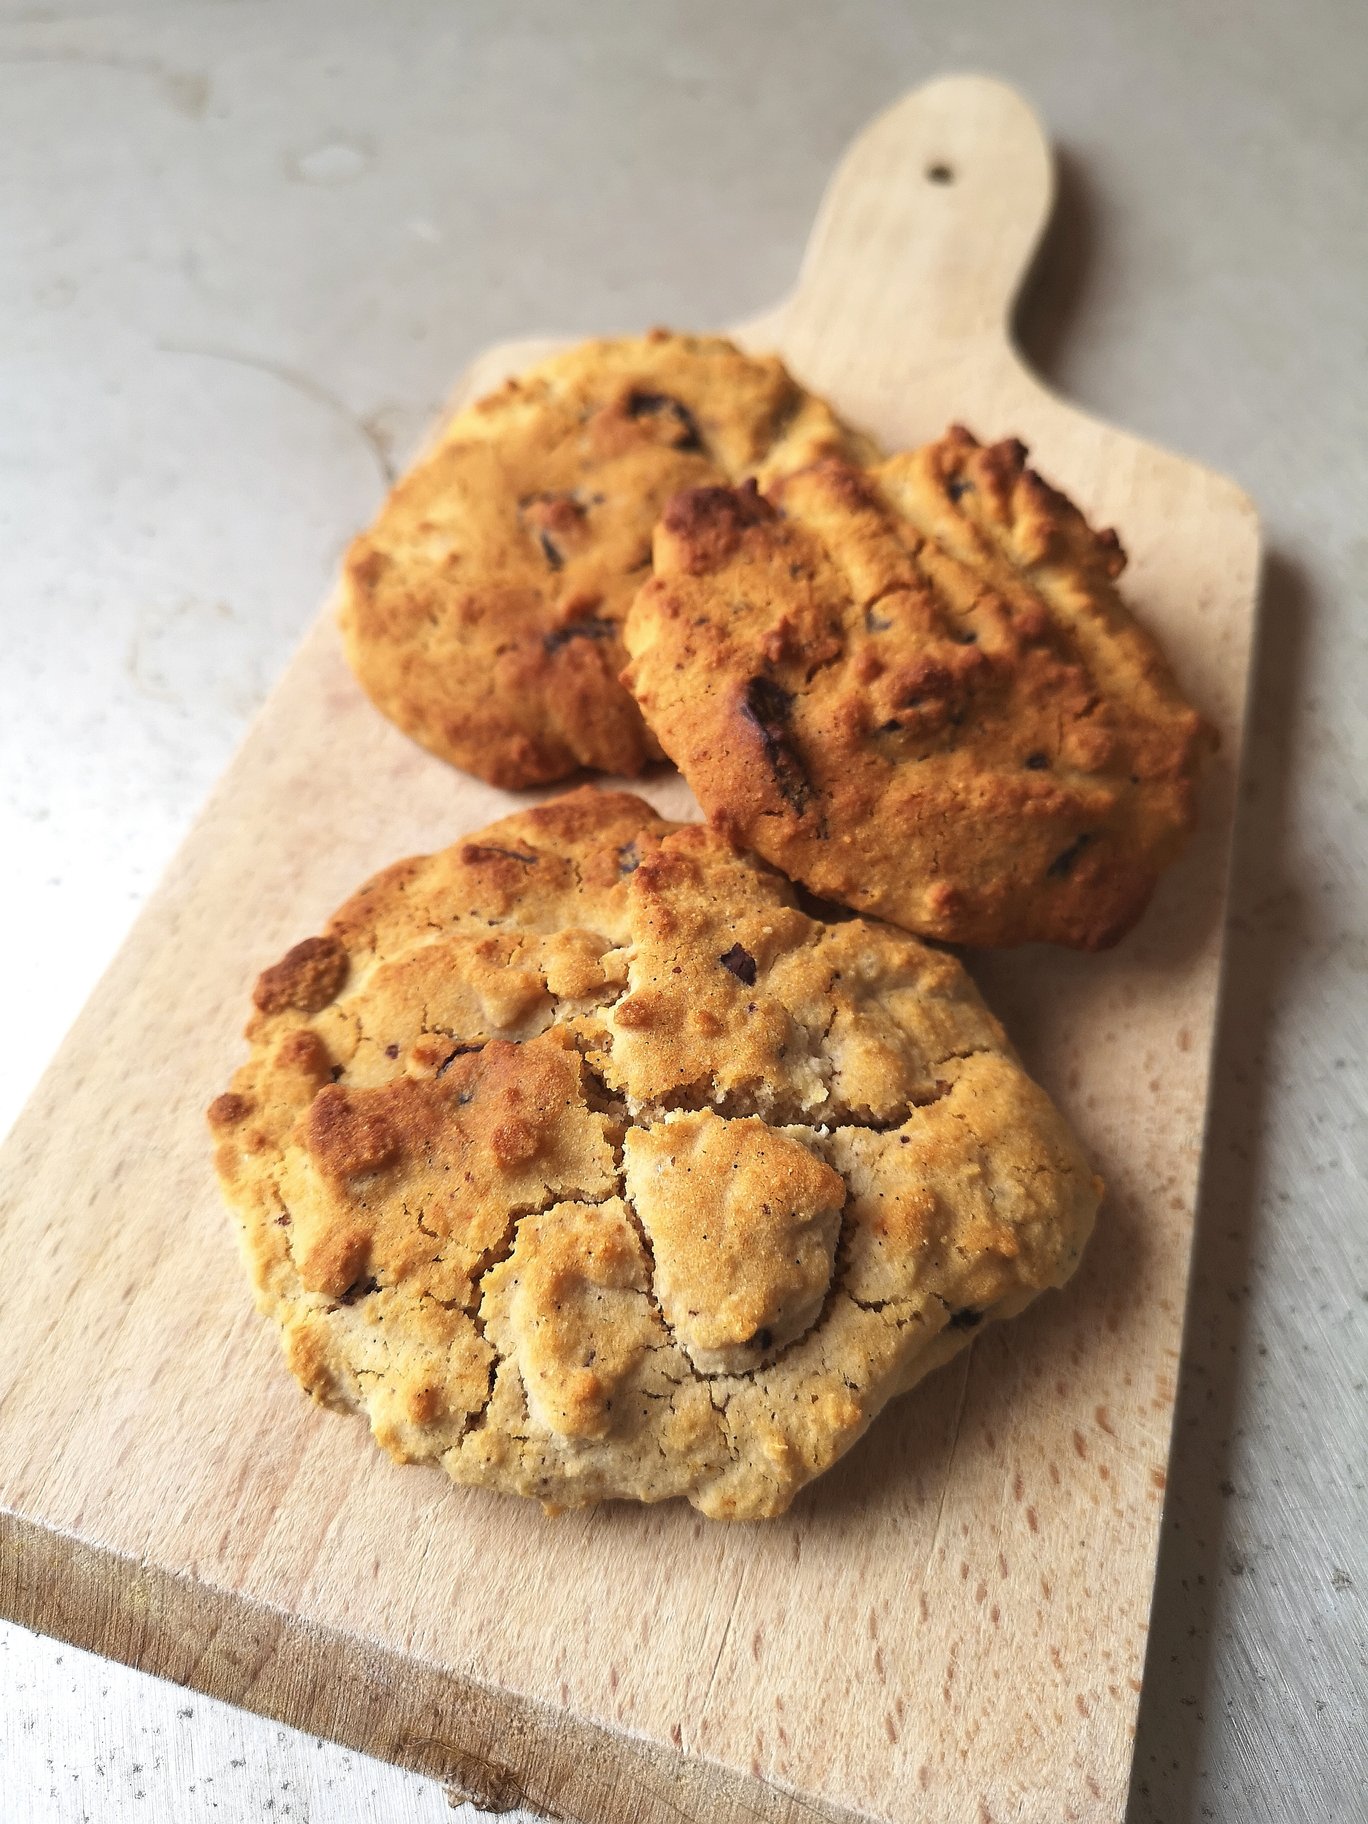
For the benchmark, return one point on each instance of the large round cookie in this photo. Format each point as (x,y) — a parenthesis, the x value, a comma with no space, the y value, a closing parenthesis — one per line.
(482,610)
(915,689)
(584,1162)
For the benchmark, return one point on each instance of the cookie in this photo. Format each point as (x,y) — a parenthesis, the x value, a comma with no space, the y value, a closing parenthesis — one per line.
(586,1163)
(482,611)
(915,689)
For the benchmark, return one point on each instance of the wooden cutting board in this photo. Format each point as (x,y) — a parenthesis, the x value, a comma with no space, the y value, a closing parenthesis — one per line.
(952,1624)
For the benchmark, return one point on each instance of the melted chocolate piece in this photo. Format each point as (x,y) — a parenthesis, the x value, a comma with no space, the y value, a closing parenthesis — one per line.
(767,706)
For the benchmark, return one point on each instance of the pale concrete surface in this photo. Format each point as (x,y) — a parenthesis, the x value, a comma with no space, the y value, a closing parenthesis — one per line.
(247,246)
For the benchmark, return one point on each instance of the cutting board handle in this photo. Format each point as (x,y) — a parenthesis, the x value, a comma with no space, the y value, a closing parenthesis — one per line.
(923,237)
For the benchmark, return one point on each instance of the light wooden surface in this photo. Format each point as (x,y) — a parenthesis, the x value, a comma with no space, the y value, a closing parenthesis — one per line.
(951,1623)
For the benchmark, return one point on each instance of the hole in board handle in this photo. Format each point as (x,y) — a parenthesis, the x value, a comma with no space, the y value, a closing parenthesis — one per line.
(939,174)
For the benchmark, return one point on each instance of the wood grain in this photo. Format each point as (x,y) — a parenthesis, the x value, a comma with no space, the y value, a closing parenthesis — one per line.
(952,1623)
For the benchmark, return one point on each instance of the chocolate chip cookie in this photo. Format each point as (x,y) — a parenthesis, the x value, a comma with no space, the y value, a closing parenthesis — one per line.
(585,1162)
(482,611)
(915,688)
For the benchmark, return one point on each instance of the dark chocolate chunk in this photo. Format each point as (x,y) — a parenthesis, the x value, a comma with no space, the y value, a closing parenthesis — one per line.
(767,706)
(741,963)
(1037,762)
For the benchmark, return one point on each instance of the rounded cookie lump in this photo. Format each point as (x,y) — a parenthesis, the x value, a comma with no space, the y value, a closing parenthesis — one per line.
(915,688)
(482,610)
(585,1162)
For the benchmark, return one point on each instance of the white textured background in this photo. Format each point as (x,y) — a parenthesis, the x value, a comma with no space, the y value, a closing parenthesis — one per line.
(245,248)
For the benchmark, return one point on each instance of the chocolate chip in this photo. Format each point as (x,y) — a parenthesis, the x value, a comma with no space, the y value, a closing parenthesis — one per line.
(1037,762)
(335,1072)
(767,706)
(391,1051)
(964,1320)
(361,1289)
(769,703)
(741,963)
(677,418)
(1065,860)
(629,857)
(577,630)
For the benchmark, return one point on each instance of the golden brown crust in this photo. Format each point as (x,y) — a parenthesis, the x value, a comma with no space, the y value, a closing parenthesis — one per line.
(915,689)
(608,1171)
(306,977)
(482,610)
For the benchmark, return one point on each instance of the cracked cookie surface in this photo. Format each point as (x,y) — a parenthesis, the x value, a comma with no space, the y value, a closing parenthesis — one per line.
(915,688)
(482,610)
(584,1161)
